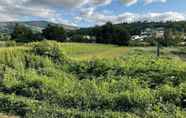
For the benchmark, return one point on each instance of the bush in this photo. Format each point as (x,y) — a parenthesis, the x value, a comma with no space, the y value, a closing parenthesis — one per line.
(170,94)
(141,98)
(49,49)
(13,105)
(10,43)
(98,69)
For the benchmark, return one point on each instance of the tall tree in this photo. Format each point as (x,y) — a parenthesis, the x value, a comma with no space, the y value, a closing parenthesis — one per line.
(120,36)
(54,32)
(111,34)
(22,33)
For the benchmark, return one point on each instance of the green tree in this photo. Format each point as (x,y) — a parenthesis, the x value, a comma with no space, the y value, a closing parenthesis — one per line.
(77,38)
(120,36)
(22,33)
(111,34)
(54,32)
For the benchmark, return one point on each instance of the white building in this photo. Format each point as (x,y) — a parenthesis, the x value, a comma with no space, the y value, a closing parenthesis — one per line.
(184,37)
(137,37)
(149,33)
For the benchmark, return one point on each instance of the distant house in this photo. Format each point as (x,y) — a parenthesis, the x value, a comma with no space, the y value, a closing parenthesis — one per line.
(183,43)
(149,33)
(137,37)
(4,36)
(184,37)
(86,37)
(90,39)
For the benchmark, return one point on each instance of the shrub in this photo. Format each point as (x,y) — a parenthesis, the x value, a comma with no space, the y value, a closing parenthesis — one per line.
(98,69)
(128,100)
(10,43)
(170,94)
(13,105)
(49,49)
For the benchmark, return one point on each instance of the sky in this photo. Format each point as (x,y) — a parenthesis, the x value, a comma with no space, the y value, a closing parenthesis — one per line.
(86,13)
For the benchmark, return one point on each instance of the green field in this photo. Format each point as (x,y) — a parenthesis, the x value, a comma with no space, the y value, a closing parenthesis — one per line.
(71,80)
(83,51)
(89,51)
(86,51)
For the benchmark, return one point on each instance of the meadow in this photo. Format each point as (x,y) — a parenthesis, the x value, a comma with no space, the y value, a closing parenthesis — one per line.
(86,51)
(70,80)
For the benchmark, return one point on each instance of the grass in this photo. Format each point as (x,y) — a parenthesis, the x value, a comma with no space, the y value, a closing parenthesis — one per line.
(88,51)
(83,51)
(40,81)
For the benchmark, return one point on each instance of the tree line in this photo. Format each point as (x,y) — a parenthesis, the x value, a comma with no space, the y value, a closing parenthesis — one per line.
(119,34)
(22,33)
(108,34)
(174,33)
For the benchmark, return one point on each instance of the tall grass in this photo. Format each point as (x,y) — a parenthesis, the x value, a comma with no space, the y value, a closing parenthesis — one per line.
(43,80)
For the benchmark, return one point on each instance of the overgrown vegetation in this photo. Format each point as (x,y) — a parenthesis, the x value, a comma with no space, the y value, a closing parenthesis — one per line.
(42,81)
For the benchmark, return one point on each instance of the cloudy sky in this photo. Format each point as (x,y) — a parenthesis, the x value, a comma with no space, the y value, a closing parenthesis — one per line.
(84,13)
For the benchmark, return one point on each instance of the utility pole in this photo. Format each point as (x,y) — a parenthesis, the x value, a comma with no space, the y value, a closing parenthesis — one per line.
(159,35)
(158,48)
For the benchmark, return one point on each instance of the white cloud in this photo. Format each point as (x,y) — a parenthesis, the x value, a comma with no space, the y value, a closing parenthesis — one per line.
(11,10)
(127,17)
(69,3)
(129,2)
(163,17)
(132,2)
(152,1)
(100,2)
(46,9)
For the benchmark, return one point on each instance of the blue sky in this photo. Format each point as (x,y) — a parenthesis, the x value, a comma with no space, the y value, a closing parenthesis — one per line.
(84,13)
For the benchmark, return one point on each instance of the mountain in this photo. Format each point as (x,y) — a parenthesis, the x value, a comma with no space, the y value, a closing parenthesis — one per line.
(37,26)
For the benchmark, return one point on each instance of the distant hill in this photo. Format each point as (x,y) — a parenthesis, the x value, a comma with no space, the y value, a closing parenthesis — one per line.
(136,28)
(37,26)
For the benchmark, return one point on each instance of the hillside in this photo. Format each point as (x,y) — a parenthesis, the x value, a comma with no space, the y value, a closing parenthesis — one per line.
(7,27)
(137,27)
